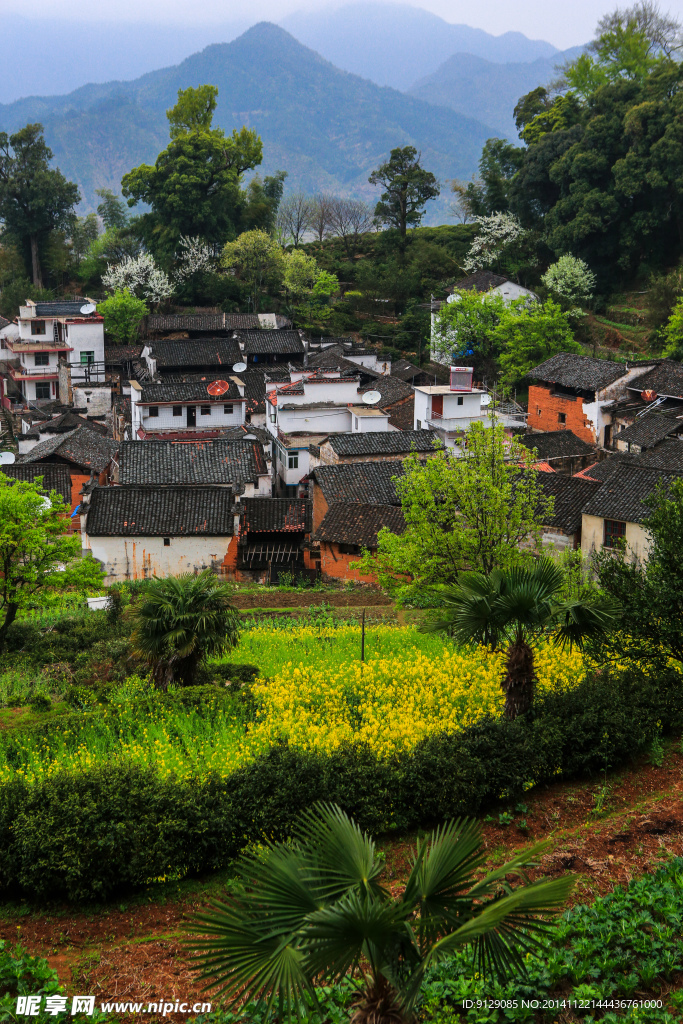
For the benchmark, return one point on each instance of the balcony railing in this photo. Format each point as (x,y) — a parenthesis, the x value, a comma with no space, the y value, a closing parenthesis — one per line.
(24,372)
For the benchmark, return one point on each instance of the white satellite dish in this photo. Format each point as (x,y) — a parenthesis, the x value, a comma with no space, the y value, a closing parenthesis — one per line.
(88,308)
(485,399)
(7,458)
(370,397)
(239,367)
(250,437)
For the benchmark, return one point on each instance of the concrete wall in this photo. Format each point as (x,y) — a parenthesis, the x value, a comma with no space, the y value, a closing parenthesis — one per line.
(85,337)
(95,401)
(137,558)
(638,541)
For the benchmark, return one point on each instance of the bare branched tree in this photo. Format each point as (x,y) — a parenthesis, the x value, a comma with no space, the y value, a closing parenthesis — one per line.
(662,31)
(349,218)
(321,214)
(294,217)
(462,204)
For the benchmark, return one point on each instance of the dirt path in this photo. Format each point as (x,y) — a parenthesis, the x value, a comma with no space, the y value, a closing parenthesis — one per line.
(605,831)
(272,598)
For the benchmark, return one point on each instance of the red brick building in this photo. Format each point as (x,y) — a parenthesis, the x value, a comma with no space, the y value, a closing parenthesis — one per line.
(349,528)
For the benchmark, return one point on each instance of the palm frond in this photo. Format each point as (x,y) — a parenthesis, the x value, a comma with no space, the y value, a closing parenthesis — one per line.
(576,620)
(340,855)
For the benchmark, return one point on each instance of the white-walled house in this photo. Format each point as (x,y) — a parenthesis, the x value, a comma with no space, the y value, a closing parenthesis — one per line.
(48,332)
(186,410)
(449,409)
(321,404)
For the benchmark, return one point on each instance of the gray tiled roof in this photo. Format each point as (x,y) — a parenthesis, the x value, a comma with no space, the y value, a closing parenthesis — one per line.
(138,511)
(355,523)
(406,371)
(391,442)
(367,482)
(570,494)
(334,358)
(191,462)
(187,322)
(62,308)
(392,389)
(189,391)
(649,429)
(556,444)
(82,447)
(581,372)
(666,455)
(480,281)
(664,379)
(271,343)
(623,495)
(276,515)
(56,476)
(216,353)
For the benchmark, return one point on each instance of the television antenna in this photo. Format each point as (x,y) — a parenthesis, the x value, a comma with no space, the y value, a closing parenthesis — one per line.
(7,458)
(88,308)
(371,397)
(219,387)
(239,367)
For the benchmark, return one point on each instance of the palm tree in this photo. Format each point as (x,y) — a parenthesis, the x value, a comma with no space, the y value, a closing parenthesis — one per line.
(519,607)
(314,910)
(180,621)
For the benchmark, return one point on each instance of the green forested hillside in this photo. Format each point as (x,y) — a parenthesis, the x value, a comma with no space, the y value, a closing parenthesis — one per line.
(325,127)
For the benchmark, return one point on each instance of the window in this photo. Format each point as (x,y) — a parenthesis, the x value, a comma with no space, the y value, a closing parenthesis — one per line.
(37,327)
(177,410)
(167,542)
(41,359)
(561,417)
(539,412)
(227,409)
(153,410)
(349,549)
(42,390)
(293,460)
(419,424)
(356,419)
(614,533)
(205,410)
(272,414)
(460,400)
(87,358)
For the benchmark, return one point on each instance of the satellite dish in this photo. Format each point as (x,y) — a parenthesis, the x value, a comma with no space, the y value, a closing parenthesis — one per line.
(239,367)
(219,387)
(250,437)
(88,308)
(485,399)
(7,458)
(370,397)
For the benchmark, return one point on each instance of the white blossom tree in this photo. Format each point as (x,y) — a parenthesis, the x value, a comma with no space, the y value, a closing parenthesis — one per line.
(141,276)
(570,279)
(193,256)
(494,234)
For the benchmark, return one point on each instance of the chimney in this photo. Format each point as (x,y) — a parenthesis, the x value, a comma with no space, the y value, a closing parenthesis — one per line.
(461,378)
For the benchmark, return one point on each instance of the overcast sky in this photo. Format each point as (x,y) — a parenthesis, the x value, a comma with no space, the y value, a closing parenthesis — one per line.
(564,24)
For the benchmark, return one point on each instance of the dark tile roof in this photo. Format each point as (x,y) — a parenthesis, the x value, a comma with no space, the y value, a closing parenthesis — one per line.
(571,494)
(348,522)
(191,462)
(666,455)
(272,342)
(254,381)
(157,322)
(334,359)
(56,476)
(391,442)
(664,379)
(189,391)
(406,371)
(603,470)
(138,511)
(581,372)
(392,390)
(242,321)
(623,495)
(480,281)
(62,308)
(367,482)
(121,353)
(82,447)
(216,353)
(556,444)
(649,429)
(4,322)
(63,424)
(276,515)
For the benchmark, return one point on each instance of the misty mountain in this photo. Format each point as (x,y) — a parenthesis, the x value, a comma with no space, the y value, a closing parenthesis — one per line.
(325,127)
(485,90)
(97,51)
(396,44)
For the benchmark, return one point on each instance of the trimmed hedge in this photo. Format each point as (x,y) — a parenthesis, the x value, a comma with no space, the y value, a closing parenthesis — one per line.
(88,835)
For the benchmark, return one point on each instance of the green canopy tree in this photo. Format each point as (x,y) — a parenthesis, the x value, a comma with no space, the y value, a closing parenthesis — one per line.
(179,622)
(35,199)
(314,910)
(463,509)
(407,189)
(123,313)
(518,608)
(465,329)
(194,186)
(258,260)
(528,333)
(38,556)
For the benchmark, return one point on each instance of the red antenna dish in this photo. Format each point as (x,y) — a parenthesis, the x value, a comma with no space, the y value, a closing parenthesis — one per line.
(219,387)
(648,396)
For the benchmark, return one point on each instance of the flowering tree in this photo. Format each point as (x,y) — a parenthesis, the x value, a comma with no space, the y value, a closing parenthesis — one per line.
(570,279)
(494,234)
(193,257)
(141,276)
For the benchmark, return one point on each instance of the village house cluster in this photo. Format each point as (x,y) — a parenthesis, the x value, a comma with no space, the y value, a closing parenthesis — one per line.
(237,443)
